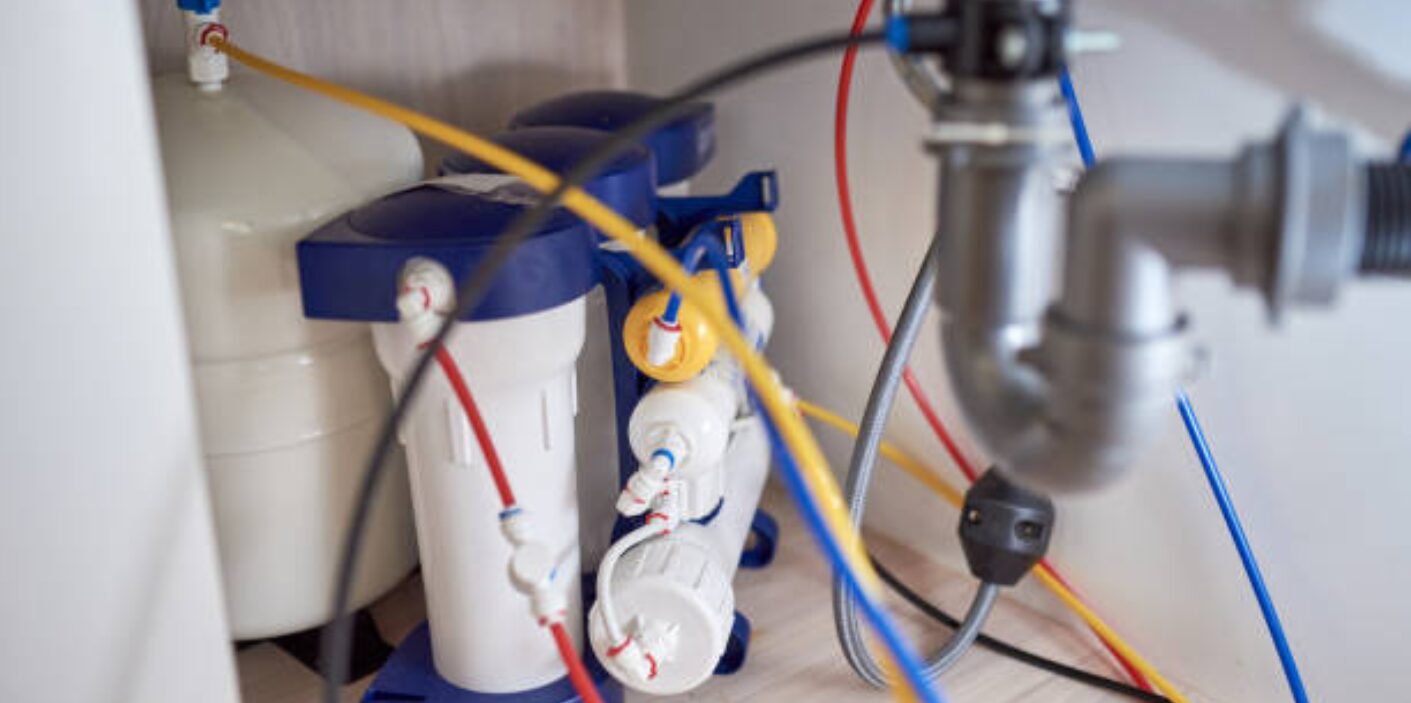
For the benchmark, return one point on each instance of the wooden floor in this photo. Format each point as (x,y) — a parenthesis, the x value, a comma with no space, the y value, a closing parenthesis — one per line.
(793,655)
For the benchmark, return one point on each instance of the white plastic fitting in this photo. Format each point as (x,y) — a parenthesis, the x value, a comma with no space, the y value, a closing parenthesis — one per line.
(205,66)
(428,296)
(534,569)
(662,339)
(652,478)
(685,429)
(516,527)
(633,653)
(645,484)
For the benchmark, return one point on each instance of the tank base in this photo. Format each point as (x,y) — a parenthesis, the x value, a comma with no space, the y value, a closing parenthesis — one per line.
(410,676)
(370,651)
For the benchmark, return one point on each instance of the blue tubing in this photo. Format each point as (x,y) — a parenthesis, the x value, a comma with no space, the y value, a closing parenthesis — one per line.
(1202,449)
(905,658)
(1251,566)
(1075,118)
(701,246)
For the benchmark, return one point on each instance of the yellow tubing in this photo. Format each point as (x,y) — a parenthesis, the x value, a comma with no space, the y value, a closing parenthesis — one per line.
(913,466)
(795,433)
(1076,605)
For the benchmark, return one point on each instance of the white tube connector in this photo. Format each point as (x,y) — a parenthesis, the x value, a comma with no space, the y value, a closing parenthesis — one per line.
(648,645)
(205,66)
(681,429)
(533,569)
(662,340)
(428,296)
(634,653)
(651,480)
(516,527)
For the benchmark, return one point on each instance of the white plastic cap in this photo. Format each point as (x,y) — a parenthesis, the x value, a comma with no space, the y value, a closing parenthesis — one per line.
(679,607)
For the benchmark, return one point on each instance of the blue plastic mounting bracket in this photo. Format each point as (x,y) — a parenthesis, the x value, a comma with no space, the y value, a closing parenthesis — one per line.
(623,281)
(765,530)
(757,191)
(410,675)
(737,648)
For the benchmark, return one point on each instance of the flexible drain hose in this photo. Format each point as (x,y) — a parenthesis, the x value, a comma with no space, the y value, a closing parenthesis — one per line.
(1387,247)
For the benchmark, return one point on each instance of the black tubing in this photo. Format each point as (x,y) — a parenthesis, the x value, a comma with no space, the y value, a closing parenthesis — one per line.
(1387,247)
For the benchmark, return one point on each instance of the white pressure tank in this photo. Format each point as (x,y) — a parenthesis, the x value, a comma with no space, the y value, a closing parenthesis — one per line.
(288,406)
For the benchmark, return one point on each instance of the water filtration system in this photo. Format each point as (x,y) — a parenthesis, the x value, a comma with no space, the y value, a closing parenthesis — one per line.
(694,464)
(573,342)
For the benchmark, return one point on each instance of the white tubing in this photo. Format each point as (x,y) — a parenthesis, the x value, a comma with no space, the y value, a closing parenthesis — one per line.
(521,370)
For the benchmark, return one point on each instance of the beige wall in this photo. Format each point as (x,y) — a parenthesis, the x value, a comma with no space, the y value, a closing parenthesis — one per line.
(471,62)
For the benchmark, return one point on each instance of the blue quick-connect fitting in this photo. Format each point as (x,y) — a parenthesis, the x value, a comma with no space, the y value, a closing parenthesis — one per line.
(899,34)
(200,7)
(666,454)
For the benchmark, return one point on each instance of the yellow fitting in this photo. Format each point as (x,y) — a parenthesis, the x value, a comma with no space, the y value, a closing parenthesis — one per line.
(694,349)
(761,240)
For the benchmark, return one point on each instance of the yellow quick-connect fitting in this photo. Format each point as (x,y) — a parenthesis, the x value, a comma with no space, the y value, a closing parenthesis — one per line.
(694,349)
(761,240)
(697,343)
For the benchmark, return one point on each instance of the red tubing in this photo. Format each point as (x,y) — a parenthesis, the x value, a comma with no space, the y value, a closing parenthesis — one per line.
(577,673)
(477,424)
(864,279)
(879,318)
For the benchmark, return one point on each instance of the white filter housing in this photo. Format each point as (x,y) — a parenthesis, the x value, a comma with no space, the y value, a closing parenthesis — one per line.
(683,580)
(288,406)
(521,371)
